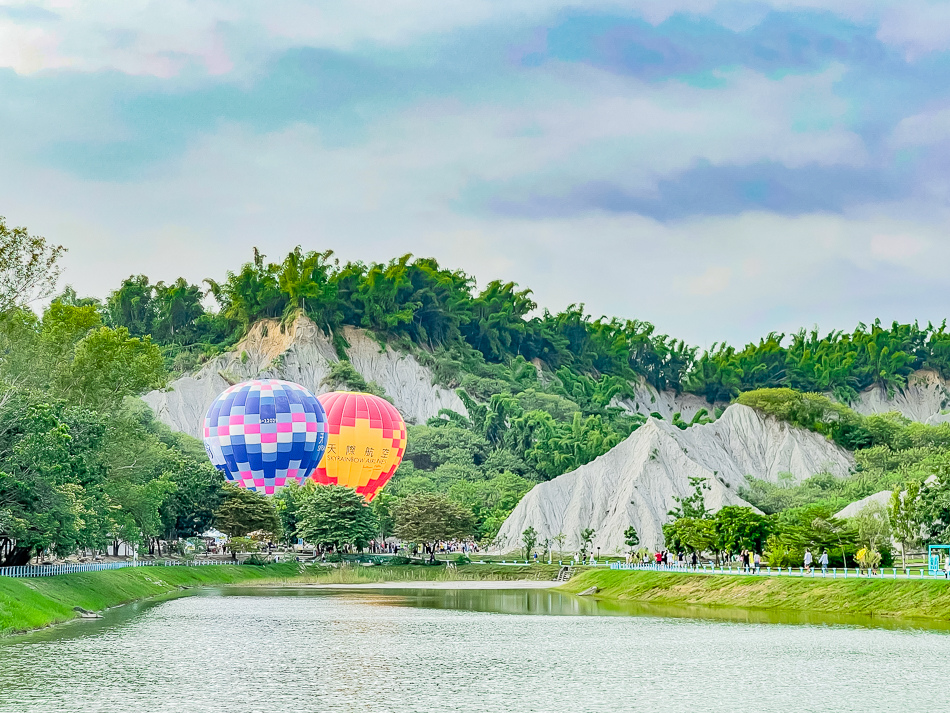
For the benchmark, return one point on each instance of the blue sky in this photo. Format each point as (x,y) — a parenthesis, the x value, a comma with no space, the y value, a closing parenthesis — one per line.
(722,169)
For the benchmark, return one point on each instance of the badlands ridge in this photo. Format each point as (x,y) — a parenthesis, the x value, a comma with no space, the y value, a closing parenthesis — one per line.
(632,484)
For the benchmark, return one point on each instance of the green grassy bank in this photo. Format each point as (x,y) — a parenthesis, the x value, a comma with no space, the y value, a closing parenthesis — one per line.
(37,602)
(925,599)
(33,603)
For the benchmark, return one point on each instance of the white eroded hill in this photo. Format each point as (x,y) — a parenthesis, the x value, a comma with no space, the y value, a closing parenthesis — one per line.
(301,353)
(926,399)
(634,483)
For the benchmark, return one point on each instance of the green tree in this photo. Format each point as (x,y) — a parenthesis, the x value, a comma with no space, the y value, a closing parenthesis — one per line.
(176,308)
(244,511)
(692,506)
(690,534)
(873,525)
(530,539)
(334,516)
(287,502)
(905,517)
(29,267)
(739,528)
(132,306)
(429,519)
(586,538)
(630,538)
(110,365)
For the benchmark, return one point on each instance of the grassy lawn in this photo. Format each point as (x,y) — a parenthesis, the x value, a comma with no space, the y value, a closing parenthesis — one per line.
(929,599)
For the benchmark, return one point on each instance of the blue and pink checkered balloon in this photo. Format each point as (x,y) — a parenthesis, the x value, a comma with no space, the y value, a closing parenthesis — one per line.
(265,433)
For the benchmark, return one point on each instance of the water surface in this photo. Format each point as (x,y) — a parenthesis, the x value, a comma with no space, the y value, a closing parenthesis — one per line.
(399,651)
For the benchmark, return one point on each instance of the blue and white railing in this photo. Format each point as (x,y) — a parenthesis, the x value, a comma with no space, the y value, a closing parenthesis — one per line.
(815,572)
(51,570)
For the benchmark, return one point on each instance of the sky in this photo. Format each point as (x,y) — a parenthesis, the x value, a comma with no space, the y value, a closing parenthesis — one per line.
(722,169)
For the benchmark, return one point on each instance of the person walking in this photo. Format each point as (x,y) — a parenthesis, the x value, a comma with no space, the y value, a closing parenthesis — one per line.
(758,562)
(808,560)
(823,561)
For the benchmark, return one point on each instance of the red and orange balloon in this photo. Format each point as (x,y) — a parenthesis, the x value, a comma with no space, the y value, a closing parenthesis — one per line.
(365,444)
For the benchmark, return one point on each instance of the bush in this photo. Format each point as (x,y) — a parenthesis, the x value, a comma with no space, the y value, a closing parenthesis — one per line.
(255,560)
(462,559)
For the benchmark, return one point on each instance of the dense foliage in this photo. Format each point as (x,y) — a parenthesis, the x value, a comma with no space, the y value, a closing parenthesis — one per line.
(82,463)
(892,453)
(781,538)
(491,333)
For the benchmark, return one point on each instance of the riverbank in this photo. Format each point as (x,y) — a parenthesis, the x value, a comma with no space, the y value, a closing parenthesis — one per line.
(919,599)
(34,603)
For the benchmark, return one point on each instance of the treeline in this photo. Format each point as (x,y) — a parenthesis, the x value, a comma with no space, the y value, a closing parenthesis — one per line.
(781,538)
(540,388)
(82,465)
(417,303)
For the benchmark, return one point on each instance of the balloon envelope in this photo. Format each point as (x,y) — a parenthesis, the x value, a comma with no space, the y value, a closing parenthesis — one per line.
(367,438)
(265,433)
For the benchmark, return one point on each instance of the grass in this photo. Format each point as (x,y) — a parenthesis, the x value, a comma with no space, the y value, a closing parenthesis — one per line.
(33,603)
(924,599)
(415,573)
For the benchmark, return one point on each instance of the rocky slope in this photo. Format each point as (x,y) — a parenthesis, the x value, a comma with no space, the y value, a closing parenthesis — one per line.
(926,399)
(647,400)
(302,353)
(880,498)
(635,482)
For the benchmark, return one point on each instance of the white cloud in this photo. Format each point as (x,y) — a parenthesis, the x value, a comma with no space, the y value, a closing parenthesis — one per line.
(162,37)
(918,28)
(926,129)
(896,248)
(234,190)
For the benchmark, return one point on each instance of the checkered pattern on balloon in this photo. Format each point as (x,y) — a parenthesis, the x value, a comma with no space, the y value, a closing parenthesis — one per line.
(265,433)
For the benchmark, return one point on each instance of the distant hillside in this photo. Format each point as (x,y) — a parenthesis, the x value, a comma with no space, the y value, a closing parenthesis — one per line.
(491,450)
(300,352)
(495,388)
(634,484)
(494,332)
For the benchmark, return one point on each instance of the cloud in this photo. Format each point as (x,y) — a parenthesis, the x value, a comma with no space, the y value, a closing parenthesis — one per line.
(715,279)
(172,37)
(236,189)
(918,28)
(896,248)
(721,185)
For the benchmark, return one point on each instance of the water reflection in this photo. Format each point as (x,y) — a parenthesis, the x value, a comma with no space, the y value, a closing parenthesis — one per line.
(550,602)
(403,651)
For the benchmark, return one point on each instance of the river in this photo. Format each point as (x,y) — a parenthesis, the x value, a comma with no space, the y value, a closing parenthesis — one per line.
(304,649)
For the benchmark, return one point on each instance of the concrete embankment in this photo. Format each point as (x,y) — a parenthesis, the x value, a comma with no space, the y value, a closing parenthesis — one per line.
(33,603)
(925,599)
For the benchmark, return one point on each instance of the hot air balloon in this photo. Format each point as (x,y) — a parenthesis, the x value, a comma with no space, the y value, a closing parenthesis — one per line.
(366,442)
(264,433)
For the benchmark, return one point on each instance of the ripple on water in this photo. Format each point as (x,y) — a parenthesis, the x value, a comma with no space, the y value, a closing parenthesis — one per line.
(298,650)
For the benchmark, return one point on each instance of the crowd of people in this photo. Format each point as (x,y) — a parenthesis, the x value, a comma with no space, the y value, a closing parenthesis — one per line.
(747,560)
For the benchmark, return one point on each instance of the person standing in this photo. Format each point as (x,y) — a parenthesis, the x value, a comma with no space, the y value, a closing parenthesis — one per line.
(758,562)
